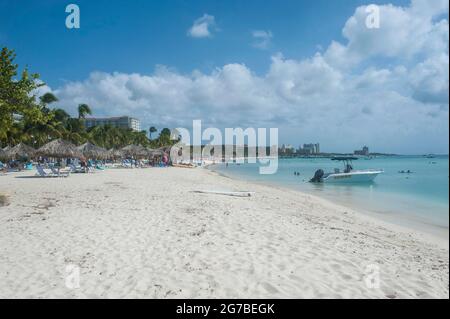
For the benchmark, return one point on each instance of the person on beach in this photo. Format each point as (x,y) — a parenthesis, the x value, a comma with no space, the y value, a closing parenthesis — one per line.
(83,165)
(165,160)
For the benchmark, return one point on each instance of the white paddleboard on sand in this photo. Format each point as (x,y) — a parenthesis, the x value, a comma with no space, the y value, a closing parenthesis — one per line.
(238,194)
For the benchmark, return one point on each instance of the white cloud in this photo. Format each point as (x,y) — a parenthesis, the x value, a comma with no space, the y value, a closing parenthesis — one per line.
(429,8)
(399,106)
(262,39)
(430,80)
(405,32)
(202,27)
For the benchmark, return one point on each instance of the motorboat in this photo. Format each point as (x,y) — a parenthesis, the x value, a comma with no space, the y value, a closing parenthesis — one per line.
(348,175)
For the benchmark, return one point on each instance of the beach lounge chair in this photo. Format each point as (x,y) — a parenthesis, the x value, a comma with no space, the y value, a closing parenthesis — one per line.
(42,173)
(90,169)
(127,164)
(73,168)
(76,169)
(59,173)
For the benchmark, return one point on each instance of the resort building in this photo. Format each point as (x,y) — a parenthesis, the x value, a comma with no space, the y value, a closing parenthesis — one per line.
(125,122)
(287,148)
(309,149)
(364,151)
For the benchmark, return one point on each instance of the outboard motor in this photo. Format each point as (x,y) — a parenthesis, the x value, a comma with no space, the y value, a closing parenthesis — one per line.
(317,176)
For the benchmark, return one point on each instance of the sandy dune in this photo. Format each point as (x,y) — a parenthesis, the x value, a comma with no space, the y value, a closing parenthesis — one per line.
(144,233)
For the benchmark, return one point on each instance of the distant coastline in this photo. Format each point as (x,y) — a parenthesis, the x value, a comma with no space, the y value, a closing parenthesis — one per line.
(331,155)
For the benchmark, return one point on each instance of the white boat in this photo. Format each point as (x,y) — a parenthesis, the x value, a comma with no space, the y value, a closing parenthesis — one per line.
(349,175)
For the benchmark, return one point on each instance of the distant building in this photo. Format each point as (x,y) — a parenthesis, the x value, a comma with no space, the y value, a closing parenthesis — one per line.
(287,149)
(317,148)
(309,149)
(124,122)
(364,151)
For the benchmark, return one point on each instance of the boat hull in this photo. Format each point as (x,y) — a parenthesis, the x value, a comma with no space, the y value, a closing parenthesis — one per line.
(352,177)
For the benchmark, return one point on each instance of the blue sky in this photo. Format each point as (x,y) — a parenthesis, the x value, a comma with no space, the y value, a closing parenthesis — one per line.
(313,67)
(134,36)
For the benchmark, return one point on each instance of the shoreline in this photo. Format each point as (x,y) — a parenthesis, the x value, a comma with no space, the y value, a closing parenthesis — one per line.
(145,233)
(441,237)
(413,222)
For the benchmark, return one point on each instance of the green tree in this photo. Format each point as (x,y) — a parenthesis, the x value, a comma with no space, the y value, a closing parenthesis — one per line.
(164,137)
(165,132)
(83,110)
(48,98)
(61,116)
(17,98)
(26,118)
(152,130)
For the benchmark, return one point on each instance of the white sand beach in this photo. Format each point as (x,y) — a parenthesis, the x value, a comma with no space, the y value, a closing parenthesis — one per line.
(145,233)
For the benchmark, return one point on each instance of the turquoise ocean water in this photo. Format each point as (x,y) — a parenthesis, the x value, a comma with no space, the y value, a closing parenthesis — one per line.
(419,198)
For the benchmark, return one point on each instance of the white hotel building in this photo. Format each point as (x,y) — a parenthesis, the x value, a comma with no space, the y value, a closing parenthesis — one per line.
(125,122)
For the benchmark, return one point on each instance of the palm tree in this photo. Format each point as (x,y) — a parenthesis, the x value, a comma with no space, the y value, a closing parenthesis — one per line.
(164,137)
(26,118)
(48,98)
(61,116)
(140,138)
(83,110)
(152,130)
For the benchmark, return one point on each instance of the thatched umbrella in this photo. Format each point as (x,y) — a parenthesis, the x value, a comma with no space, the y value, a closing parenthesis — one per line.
(60,149)
(3,154)
(90,150)
(136,151)
(165,149)
(5,150)
(114,154)
(20,151)
(154,153)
